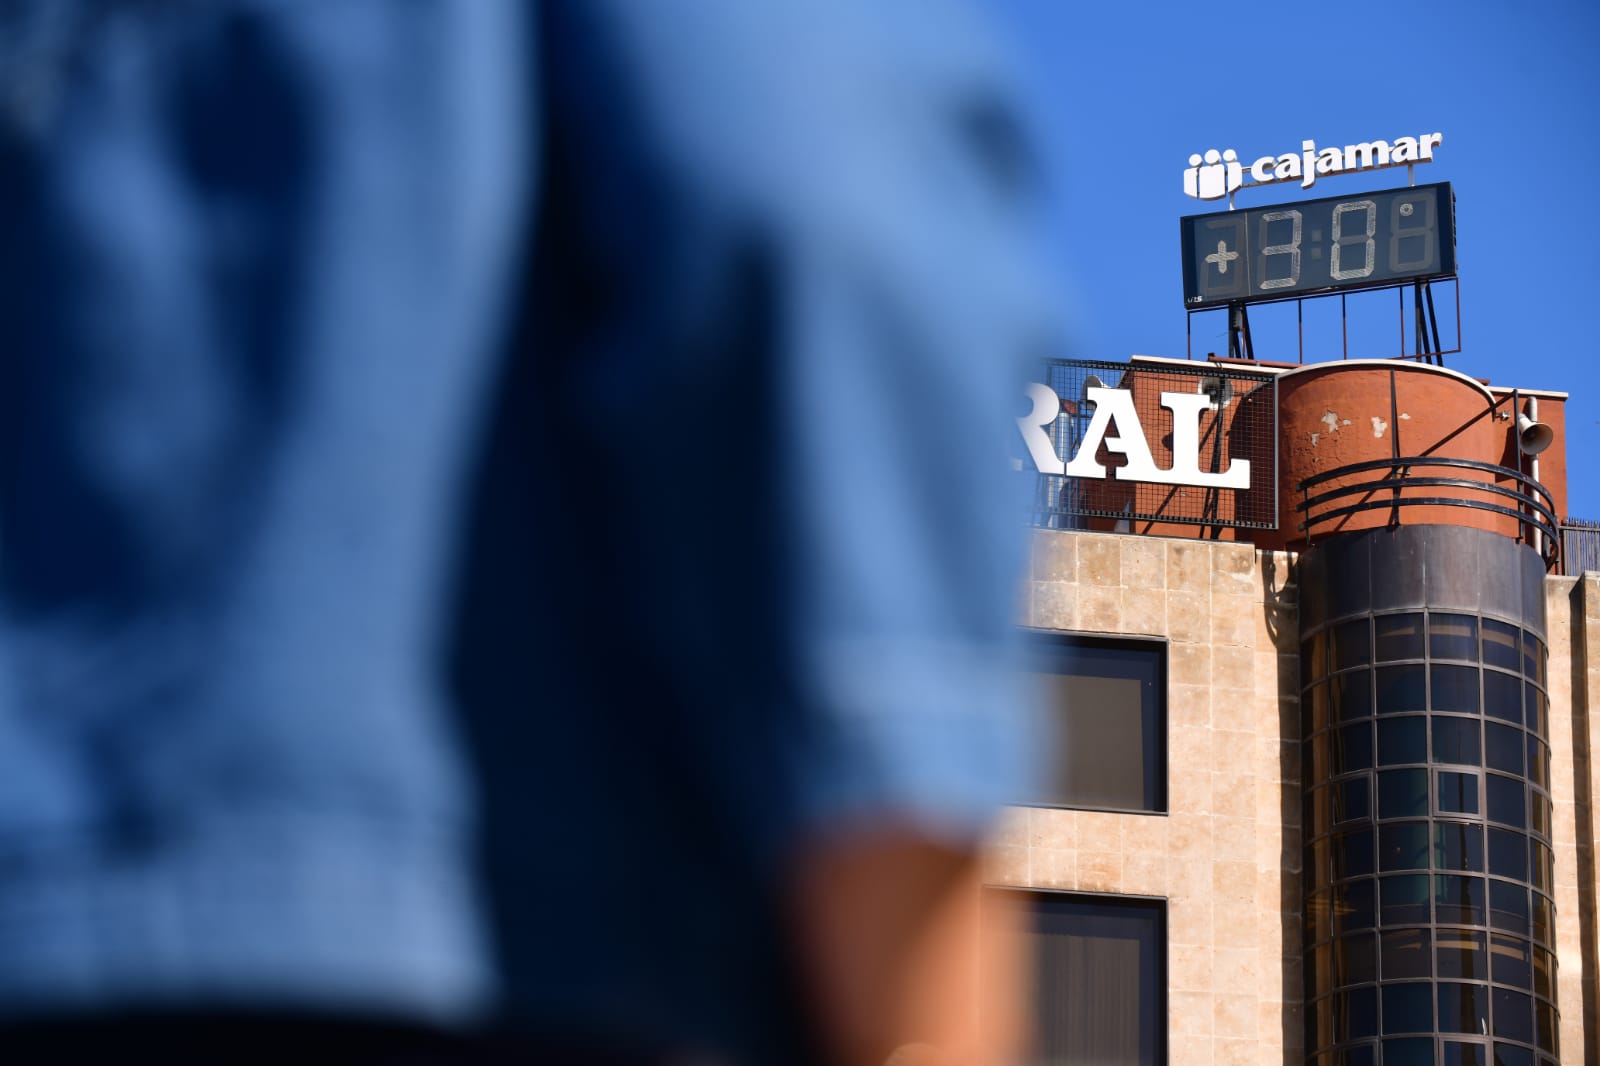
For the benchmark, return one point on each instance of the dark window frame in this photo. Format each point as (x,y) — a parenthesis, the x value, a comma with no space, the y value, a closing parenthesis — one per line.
(1051,651)
(1092,908)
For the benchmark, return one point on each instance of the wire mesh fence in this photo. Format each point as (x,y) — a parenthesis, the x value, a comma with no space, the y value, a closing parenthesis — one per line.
(1237,431)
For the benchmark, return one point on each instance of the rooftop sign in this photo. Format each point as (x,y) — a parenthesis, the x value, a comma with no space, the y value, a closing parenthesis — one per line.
(1156,440)
(1217,174)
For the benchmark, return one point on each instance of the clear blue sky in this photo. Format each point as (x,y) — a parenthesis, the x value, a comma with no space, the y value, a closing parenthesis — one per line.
(1123,93)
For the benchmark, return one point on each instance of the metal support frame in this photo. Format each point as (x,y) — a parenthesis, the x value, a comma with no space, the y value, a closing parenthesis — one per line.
(1427,348)
(1239,344)
(1425,344)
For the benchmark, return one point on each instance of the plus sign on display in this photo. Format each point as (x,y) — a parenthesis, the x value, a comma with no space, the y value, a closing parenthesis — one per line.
(1338,242)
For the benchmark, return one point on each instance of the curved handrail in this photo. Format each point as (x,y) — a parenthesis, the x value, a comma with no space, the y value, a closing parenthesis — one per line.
(1534,505)
(1430,460)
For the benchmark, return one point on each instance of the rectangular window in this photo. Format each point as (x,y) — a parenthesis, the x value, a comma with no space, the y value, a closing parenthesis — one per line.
(1099,977)
(1108,699)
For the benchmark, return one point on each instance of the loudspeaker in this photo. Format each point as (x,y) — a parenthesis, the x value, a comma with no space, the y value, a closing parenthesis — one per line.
(1534,437)
(1218,389)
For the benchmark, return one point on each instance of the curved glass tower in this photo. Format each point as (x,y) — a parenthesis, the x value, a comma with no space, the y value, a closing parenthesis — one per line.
(1429,923)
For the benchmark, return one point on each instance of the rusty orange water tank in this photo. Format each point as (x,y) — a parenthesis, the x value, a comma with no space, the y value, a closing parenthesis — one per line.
(1344,414)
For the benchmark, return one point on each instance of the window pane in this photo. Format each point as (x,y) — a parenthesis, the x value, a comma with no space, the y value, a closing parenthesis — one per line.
(1455,740)
(1319,915)
(1544,1017)
(1352,799)
(1511,1055)
(1453,636)
(1351,645)
(1355,1013)
(1397,636)
(1108,697)
(1503,747)
(1461,953)
(1403,846)
(1316,717)
(1544,970)
(1352,748)
(1458,793)
(1407,954)
(1511,960)
(1404,900)
(1458,900)
(1539,812)
(1508,854)
(1402,740)
(1314,758)
(1508,907)
(1402,688)
(1464,1054)
(1463,1008)
(1536,708)
(1507,800)
(1355,960)
(1402,793)
(1455,688)
(1352,853)
(1319,1022)
(1353,906)
(1314,656)
(1532,655)
(1538,762)
(1544,918)
(1351,695)
(1413,1051)
(1318,865)
(1502,696)
(1099,978)
(1457,846)
(1513,1015)
(1408,1008)
(1501,645)
(1541,861)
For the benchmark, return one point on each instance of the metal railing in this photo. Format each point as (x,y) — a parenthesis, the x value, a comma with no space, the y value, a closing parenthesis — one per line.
(1396,487)
(1580,545)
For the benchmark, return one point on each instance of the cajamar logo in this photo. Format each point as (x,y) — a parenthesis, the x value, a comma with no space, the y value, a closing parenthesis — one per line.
(1217,174)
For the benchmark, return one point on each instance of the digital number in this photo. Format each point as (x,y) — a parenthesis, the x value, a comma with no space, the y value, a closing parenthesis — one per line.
(1369,254)
(1291,249)
(1221,261)
(1404,225)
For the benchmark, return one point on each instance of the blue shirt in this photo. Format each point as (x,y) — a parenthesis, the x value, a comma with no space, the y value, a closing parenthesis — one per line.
(480,482)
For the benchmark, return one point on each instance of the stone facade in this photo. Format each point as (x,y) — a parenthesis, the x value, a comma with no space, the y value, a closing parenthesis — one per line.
(1227,855)
(1573,609)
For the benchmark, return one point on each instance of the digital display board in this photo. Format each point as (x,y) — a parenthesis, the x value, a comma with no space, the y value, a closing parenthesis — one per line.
(1338,242)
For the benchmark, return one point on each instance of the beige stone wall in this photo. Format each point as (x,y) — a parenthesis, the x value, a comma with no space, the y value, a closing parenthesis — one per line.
(1573,613)
(1227,856)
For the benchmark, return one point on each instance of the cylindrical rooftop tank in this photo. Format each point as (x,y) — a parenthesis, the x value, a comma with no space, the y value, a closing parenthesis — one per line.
(1344,414)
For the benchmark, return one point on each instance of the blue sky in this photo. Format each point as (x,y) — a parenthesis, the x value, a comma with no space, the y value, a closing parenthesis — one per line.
(1123,93)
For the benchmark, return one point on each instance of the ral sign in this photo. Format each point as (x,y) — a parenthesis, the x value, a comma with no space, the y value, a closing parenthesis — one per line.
(1115,425)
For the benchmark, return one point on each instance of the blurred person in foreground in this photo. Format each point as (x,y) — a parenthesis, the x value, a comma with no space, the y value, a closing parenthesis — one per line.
(505,549)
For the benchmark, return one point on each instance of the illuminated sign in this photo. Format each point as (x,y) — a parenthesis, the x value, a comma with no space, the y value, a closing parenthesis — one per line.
(1216,174)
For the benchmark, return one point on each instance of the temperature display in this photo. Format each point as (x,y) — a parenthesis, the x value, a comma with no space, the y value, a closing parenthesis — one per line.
(1348,242)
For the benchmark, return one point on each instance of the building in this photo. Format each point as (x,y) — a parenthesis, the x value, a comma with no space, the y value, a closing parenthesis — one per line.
(1327,795)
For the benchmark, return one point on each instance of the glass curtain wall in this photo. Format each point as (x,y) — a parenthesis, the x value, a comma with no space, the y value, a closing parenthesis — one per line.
(1429,922)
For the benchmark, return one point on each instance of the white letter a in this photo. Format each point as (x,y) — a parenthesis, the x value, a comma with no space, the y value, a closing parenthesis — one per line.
(1114,404)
